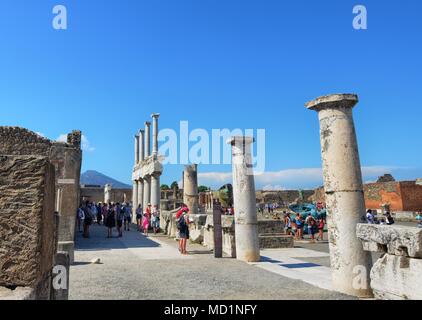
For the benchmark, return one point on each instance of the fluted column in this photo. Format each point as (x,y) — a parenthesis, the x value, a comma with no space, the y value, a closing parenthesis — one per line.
(135,195)
(140,192)
(147,192)
(246,220)
(136,149)
(155,117)
(147,139)
(141,145)
(344,193)
(155,190)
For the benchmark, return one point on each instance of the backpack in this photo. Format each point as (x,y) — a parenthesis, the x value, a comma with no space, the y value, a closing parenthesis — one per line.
(181,222)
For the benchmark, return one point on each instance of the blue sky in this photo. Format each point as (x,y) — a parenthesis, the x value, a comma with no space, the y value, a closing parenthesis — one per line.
(217,64)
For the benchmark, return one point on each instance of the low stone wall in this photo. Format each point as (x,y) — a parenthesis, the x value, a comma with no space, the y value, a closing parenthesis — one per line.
(229,240)
(397,274)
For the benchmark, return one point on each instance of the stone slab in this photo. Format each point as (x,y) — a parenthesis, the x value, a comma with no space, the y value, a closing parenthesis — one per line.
(396,240)
(397,278)
(27,220)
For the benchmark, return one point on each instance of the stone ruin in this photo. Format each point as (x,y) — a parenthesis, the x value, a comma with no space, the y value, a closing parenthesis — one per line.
(148,168)
(39,194)
(396,275)
(243,225)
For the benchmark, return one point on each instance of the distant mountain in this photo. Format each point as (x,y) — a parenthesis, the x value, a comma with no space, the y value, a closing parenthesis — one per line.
(93,177)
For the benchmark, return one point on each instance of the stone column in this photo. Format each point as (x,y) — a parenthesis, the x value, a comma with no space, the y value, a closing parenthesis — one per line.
(190,188)
(107,193)
(147,139)
(141,145)
(136,149)
(147,192)
(140,193)
(246,220)
(344,193)
(135,191)
(155,117)
(155,190)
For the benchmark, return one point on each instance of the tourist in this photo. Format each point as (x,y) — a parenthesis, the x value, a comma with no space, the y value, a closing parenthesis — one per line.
(370,217)
(311,223)
(183,228)
(299,226)
(287,224)
(94,212)
(81,217)
(139,214)
(321,225)
(120,215)
(128,216)
(99,213)
(146,220)
(104,211)
(389,219)
(88,219)
(110,220)
(155,219)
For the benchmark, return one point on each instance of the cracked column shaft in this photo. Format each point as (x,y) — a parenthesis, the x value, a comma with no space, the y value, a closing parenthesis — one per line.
(344,193)
(244,198)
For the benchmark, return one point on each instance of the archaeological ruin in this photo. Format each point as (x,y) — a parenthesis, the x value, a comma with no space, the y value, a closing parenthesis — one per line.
(148,167)
(39,198)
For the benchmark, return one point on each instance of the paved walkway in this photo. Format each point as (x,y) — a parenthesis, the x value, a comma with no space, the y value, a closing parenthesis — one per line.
(136,267)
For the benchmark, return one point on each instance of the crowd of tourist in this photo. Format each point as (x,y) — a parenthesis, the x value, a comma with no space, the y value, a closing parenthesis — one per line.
(314,226)
(116,215)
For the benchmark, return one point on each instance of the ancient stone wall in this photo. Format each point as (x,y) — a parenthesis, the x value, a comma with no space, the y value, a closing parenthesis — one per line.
(93,194)
(66,158)
(411,196)
(27,222)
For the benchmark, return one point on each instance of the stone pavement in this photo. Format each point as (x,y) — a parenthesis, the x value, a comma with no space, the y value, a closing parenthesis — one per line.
(138,268)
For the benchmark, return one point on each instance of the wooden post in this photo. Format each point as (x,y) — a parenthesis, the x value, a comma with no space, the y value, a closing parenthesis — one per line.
(218,231)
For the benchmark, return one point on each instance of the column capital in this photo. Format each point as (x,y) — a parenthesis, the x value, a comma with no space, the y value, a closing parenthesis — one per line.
(141,131)
(147,123)
(236,140)
(155,115)
(333,101)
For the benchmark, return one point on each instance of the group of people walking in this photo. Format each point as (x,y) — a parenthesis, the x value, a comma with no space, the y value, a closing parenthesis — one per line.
(149,218)
(110,215)
(295,226)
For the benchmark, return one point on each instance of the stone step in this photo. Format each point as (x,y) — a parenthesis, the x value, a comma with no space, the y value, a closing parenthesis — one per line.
(275,241)
(270,226)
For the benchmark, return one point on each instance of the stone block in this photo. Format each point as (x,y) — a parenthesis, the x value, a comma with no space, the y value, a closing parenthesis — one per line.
(27,220)
(397,278)
(69,247)
(270,226)
(396,240)
(61,292)
(275,241)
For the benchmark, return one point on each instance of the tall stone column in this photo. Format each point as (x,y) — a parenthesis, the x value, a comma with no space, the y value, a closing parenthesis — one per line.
(141,145)
(147,192)
(344,193)
(155,190)
(155,117)
(190,188)
(147,139)
(136,149)
(244,196)
(140,193)
(135,191)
